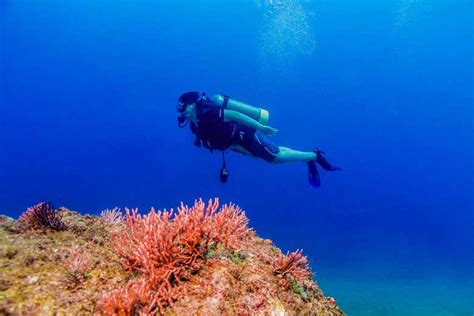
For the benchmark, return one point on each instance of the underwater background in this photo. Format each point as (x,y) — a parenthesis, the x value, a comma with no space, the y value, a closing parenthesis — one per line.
(88,94)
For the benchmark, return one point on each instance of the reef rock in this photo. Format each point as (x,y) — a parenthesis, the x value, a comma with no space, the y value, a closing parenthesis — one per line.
(198,261)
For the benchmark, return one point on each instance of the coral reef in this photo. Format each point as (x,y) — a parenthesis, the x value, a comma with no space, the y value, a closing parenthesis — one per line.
(291,267)
(167,249)
(42,215)
(199,260)
(113,216)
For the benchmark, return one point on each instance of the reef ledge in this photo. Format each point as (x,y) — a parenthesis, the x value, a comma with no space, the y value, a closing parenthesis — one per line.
(90,266)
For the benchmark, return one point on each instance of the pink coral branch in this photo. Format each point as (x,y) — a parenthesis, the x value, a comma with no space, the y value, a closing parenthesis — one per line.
(294,264)
(77,261)
(124,301)
(113,216)
(166,246)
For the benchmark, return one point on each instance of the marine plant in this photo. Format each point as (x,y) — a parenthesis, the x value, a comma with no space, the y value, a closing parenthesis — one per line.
(43,214)
(166,249)
(113,216)
(77,262)
(291,266)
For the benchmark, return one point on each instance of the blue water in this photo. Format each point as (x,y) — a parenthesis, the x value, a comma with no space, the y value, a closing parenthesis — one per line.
(87,120)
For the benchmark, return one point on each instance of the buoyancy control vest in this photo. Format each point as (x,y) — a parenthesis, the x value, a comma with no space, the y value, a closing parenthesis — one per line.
(213,132)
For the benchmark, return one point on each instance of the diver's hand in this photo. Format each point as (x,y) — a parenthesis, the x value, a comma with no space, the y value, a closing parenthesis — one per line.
(268,130)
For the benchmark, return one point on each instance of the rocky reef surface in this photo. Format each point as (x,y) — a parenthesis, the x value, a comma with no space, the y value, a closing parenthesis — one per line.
(199,260)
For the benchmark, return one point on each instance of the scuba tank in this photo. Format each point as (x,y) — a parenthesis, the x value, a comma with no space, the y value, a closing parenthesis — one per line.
(202,101)
(258,114)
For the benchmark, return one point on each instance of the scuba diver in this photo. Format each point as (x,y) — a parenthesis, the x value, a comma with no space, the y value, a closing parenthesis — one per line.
(221,123)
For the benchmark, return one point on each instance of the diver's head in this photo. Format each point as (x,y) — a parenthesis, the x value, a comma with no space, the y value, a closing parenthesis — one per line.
(187,107)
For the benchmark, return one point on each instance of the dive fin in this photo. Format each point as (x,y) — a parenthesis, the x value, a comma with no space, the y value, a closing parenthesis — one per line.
(313,174)
(323,162)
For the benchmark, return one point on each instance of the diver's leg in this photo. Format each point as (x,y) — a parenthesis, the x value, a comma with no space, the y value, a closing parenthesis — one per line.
(286,154)
(241,150)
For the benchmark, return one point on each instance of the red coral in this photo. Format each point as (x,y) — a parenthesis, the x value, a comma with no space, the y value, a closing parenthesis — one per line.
(124,301)
(294,264)
(167,248)
(228,224)
(43,215)
(77,263)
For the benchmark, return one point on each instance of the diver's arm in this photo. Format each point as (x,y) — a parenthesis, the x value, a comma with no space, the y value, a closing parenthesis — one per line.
(238,117)
(230,115)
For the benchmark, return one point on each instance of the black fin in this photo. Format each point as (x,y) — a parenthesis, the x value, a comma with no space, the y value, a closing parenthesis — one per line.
(313,174)
(323,162)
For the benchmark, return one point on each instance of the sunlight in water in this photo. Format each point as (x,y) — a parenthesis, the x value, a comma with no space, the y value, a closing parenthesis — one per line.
(406,11)
(285,34)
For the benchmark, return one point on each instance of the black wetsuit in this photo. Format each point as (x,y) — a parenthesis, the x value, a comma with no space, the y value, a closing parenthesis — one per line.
(216,134)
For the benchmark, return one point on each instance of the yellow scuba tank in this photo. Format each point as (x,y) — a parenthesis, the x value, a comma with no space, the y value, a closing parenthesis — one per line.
(258,114)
